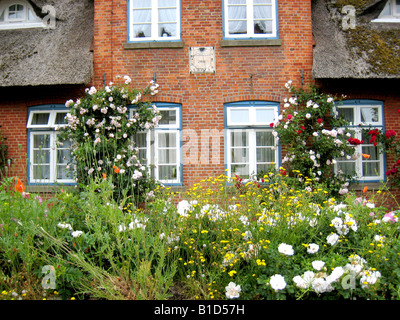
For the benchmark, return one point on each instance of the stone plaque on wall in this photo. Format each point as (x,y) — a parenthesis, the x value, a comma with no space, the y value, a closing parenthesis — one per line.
(202,60)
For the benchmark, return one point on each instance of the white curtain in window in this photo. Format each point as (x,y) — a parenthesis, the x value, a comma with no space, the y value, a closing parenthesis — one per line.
(236,13)
(167,22)
(142,16)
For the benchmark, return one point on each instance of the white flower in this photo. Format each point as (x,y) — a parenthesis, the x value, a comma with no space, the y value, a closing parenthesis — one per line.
(64,226)
(128,80)
(232,290)
(312,248)
(318,264)
(183,208)
(76,234)
(277,282)
(335,275)
(92,90)
(286,249)
(332,239)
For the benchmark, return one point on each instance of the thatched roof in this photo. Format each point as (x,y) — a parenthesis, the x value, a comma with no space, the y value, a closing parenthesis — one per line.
(370,50)
(38,56)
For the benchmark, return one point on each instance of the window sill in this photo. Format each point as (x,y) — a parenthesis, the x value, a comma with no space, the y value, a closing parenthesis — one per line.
(251,43)
(359,186)
(386,20)
(154,45)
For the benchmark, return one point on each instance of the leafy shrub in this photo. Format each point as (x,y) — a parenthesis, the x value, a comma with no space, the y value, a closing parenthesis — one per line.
(103,135)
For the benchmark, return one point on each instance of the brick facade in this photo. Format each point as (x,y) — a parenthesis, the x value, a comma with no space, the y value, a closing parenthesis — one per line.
(242,72)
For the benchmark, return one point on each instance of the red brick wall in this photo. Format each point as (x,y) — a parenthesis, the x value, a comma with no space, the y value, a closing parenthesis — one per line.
(14,105)
(242,73)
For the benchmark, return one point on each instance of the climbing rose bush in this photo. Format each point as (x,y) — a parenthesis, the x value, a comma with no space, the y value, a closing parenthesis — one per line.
(102,126)
(314,137)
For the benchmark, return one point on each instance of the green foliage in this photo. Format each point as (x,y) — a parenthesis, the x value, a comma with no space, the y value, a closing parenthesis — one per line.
(273,239)
(3,154)
(103,135)
(387,142)
(312,134)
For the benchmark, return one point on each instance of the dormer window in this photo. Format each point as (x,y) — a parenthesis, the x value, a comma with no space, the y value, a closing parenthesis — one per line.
(18,15)
(390,13)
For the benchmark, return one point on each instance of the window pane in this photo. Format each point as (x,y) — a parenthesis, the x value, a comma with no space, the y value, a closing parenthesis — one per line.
(237,27)
(167,156)
(348,168)
(142,30)
(372,152)
(263,168)
(239,139)
(141,3)
(262,1)
(41,157)
(346,113)
(63,173)
(237,13)
(240,155)
(236,2)
(167,30)
(240,170)
(262,12)
(239,116)
(60,118)
(264,138)
(166,3)
(265,116)
(397,7)
(2,16)
(140,16)
(369,114)
(41,172)
(167,140)
(167,172)
(371,169)
(168,117)
(40,118)
(262,27)
(167,15)
(265,155)
(141,139)
(41,141)
(63,156)
(31,15)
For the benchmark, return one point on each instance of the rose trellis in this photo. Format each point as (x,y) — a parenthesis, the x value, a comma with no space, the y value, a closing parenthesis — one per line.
(314,137)
(102,126)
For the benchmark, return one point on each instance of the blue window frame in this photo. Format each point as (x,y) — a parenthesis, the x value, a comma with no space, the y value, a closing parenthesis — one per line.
(49,157)
(363,114)
(250,148)
(154,20)
(250,19)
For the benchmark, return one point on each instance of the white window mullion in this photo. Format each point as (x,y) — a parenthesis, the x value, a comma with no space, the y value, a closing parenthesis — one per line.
(53,157)
(252,152)
(250,17)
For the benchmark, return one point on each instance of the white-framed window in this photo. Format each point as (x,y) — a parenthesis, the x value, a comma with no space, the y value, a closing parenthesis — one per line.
(390,13)
(160,148)
(250,19)
(251,148)
(154,20)
(49,157)
(18,15)
(367,164)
